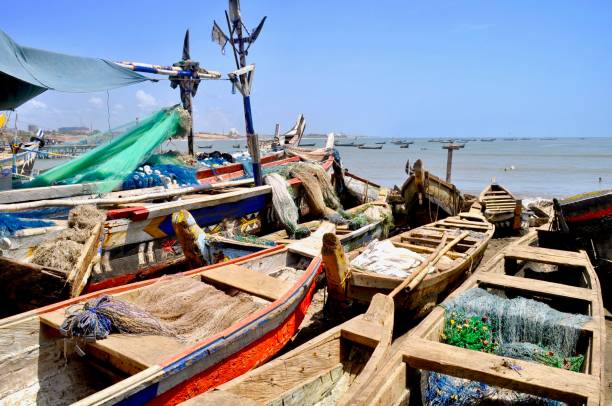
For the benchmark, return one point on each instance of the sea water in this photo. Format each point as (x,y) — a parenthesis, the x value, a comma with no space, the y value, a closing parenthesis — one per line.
(530,168)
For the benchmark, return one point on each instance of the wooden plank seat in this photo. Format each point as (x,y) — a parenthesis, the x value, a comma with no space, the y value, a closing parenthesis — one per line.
(246,280)
(546,255)
(534,378)
(536,286)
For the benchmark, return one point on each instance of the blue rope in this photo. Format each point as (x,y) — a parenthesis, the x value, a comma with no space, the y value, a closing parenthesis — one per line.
(89,322)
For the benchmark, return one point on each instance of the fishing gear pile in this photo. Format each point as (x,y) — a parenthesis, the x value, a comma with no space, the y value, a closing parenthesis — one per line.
(320,193)
(111,163)
(180,307)
(284,206)
(167,175)
(63,252)
(516,328)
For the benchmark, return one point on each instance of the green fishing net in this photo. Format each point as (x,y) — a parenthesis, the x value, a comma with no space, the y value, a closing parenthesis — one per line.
(110,163)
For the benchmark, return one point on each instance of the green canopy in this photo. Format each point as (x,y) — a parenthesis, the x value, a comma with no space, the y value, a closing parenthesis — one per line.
(27,72)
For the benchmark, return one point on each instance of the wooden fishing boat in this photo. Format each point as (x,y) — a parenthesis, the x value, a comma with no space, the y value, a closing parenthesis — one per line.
(205,176)
(587,213)
(159,369)
(139,242)
(470,234)
(344,144)
(205,146)
(361,190)
(25,285)
(380,143)
(585,222)
(369,147)
(308,144)
(19,160)
(325,370)
(426,198)
(404,146)
(501,207)
(236,146)
(293,137)
(571,286)
(331,367)
(350,239)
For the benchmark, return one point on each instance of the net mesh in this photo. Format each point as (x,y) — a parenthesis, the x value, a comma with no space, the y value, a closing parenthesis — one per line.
(64,251)
(522,320)
(112,162)
(180,307)
(517,328)
(284,206)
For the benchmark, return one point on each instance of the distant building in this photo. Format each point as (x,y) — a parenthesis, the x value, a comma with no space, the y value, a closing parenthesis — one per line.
(32,128)
(73,130)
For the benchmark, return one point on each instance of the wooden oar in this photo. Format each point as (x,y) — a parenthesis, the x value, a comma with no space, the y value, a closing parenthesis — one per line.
(422,270)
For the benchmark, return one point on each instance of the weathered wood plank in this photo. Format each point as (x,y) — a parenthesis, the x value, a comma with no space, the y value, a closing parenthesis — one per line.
(246,280)
(534,378)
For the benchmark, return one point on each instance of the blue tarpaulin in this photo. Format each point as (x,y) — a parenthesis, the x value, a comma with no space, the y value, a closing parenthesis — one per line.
(27,72)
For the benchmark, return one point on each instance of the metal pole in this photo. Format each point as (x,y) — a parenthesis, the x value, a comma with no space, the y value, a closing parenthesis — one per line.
(252,138)
(190,136)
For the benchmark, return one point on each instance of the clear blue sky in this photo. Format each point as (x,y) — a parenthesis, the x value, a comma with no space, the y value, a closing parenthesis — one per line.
(383,68)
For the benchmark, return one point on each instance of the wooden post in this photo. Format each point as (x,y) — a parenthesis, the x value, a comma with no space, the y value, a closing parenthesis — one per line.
(516,223)
(337,269)
(449,159)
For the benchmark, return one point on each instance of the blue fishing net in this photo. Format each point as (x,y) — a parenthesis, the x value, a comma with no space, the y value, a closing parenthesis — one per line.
(9,223)
(160,175)
(45,213)
(445,390)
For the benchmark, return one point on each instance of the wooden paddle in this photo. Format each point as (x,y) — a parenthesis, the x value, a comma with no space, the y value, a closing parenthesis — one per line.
(423,269)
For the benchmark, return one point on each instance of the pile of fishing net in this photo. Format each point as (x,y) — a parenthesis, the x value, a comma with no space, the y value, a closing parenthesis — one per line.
(214,159)
(180,307)
(319,191)
(63,251)
(111,163)
(369,214)
(517,328)
(169,158)
(284,206)
(383,258)
(167,175)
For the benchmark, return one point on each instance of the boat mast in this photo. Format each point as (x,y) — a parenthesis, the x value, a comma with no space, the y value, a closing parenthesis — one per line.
(242,77)
(185,74)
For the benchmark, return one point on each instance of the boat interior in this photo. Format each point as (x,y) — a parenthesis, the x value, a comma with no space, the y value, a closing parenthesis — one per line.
(321,371)
(563,280)
(43,367)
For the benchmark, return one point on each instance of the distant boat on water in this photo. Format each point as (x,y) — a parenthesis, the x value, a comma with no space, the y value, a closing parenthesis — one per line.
(236,146)
(369,147)
(381,143)
(344,144)
(310,144)
(487,139)
(205,146)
